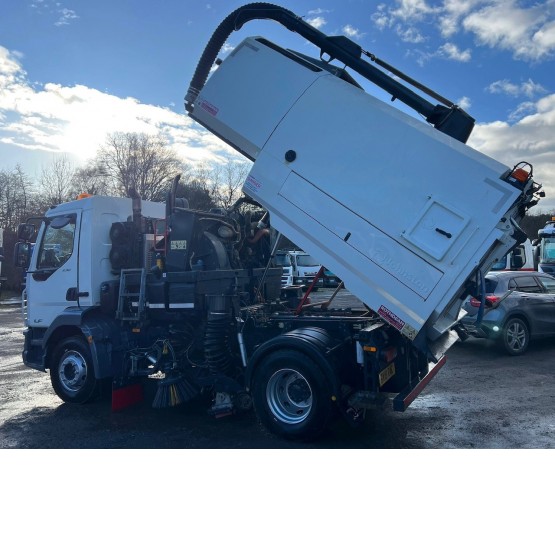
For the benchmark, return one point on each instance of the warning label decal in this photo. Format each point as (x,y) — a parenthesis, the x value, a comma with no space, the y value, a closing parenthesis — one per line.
(391,318)
(210,108)
(252,183)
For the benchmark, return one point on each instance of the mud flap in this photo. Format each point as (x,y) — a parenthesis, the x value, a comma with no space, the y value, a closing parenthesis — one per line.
(126,392)
(402,401)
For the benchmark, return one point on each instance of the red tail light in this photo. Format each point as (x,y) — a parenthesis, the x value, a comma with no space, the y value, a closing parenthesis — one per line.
(490,300)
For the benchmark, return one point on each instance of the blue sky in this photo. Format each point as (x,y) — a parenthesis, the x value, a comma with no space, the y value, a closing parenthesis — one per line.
(72,71)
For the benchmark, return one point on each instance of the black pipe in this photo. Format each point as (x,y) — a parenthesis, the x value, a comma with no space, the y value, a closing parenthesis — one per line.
(170,196)
(449,119)
(136,207)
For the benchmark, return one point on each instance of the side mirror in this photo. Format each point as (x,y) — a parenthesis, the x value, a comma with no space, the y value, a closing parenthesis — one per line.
(22,255)
(25,232)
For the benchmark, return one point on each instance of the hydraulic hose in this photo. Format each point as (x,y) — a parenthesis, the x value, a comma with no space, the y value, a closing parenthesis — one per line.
(216,347)
(216,336)
(480,314)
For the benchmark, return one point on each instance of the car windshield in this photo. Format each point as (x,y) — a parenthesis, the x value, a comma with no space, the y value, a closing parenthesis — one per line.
(547,250)
(306,260)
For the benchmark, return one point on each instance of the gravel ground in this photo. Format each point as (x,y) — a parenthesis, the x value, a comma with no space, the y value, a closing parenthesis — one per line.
(480,399)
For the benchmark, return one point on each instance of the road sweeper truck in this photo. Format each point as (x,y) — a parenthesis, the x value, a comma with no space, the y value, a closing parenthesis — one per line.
(403,210)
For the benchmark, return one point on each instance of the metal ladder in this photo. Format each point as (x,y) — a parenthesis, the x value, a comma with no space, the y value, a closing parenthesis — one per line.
(131,298)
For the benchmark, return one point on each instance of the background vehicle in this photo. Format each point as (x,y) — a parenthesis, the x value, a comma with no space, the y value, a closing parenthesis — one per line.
(283,259)
(305,268)
(520,258)
(330,279)
(546,247)
(517,307)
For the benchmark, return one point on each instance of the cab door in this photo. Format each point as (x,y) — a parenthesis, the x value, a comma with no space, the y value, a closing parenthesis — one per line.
(52,280)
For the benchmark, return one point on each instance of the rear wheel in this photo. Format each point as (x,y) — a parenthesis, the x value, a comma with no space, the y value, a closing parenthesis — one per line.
(72,372)
(516,336)
(291,396)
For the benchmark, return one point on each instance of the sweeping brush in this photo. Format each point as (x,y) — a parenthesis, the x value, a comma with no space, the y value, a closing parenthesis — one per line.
(173,390)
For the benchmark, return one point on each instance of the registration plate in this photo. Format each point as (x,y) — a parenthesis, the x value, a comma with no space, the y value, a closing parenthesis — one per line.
(387,373)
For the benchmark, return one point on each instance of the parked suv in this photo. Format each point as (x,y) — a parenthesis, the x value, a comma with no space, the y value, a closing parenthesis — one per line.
(518,306)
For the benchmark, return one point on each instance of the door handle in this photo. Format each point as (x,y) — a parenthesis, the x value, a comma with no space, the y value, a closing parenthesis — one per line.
(72,294)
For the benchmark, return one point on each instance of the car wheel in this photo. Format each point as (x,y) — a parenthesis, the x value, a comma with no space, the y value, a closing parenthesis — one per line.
(72,372)
(515,337)
(290,395)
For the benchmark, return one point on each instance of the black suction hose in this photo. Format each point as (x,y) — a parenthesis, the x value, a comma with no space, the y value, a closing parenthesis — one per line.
(233,22)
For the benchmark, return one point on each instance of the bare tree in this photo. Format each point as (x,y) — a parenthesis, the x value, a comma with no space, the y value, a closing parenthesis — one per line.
(91,179)
(15,195)
(138,160)
(55,181)
(226,181)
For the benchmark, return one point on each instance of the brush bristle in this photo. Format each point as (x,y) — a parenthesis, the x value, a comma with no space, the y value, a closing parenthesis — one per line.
(173,391)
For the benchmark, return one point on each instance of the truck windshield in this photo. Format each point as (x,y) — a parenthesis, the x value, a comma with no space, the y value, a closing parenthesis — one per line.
(501,264)
(282,260)
(306,260)
(547,250)
(57,243)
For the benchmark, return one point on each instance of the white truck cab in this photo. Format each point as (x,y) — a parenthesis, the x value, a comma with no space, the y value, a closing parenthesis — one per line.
(283,259)
(520,258)
(305,268)
(72,256)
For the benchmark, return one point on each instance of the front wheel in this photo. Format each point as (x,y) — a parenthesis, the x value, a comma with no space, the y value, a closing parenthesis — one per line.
(515,337)
(72,372)
(291,396)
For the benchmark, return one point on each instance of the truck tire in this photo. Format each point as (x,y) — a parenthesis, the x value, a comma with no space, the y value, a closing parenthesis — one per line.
(515,336)
(72,372)
(291,396)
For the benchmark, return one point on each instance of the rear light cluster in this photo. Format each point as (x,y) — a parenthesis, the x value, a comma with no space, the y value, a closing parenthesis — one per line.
(490,301)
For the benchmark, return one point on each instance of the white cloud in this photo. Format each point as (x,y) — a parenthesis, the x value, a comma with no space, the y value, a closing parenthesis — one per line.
(452,52)
(529,138)
(526,88)
(317,21)
(412,10)
(448,51)
(227,48)
(352,32)
(523,109)
(451,14)
(403,17)
(525,29)
(318,11)
(528,32)
(65,17)
(464,103)
(76,119)
(410,34)
(381,17)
